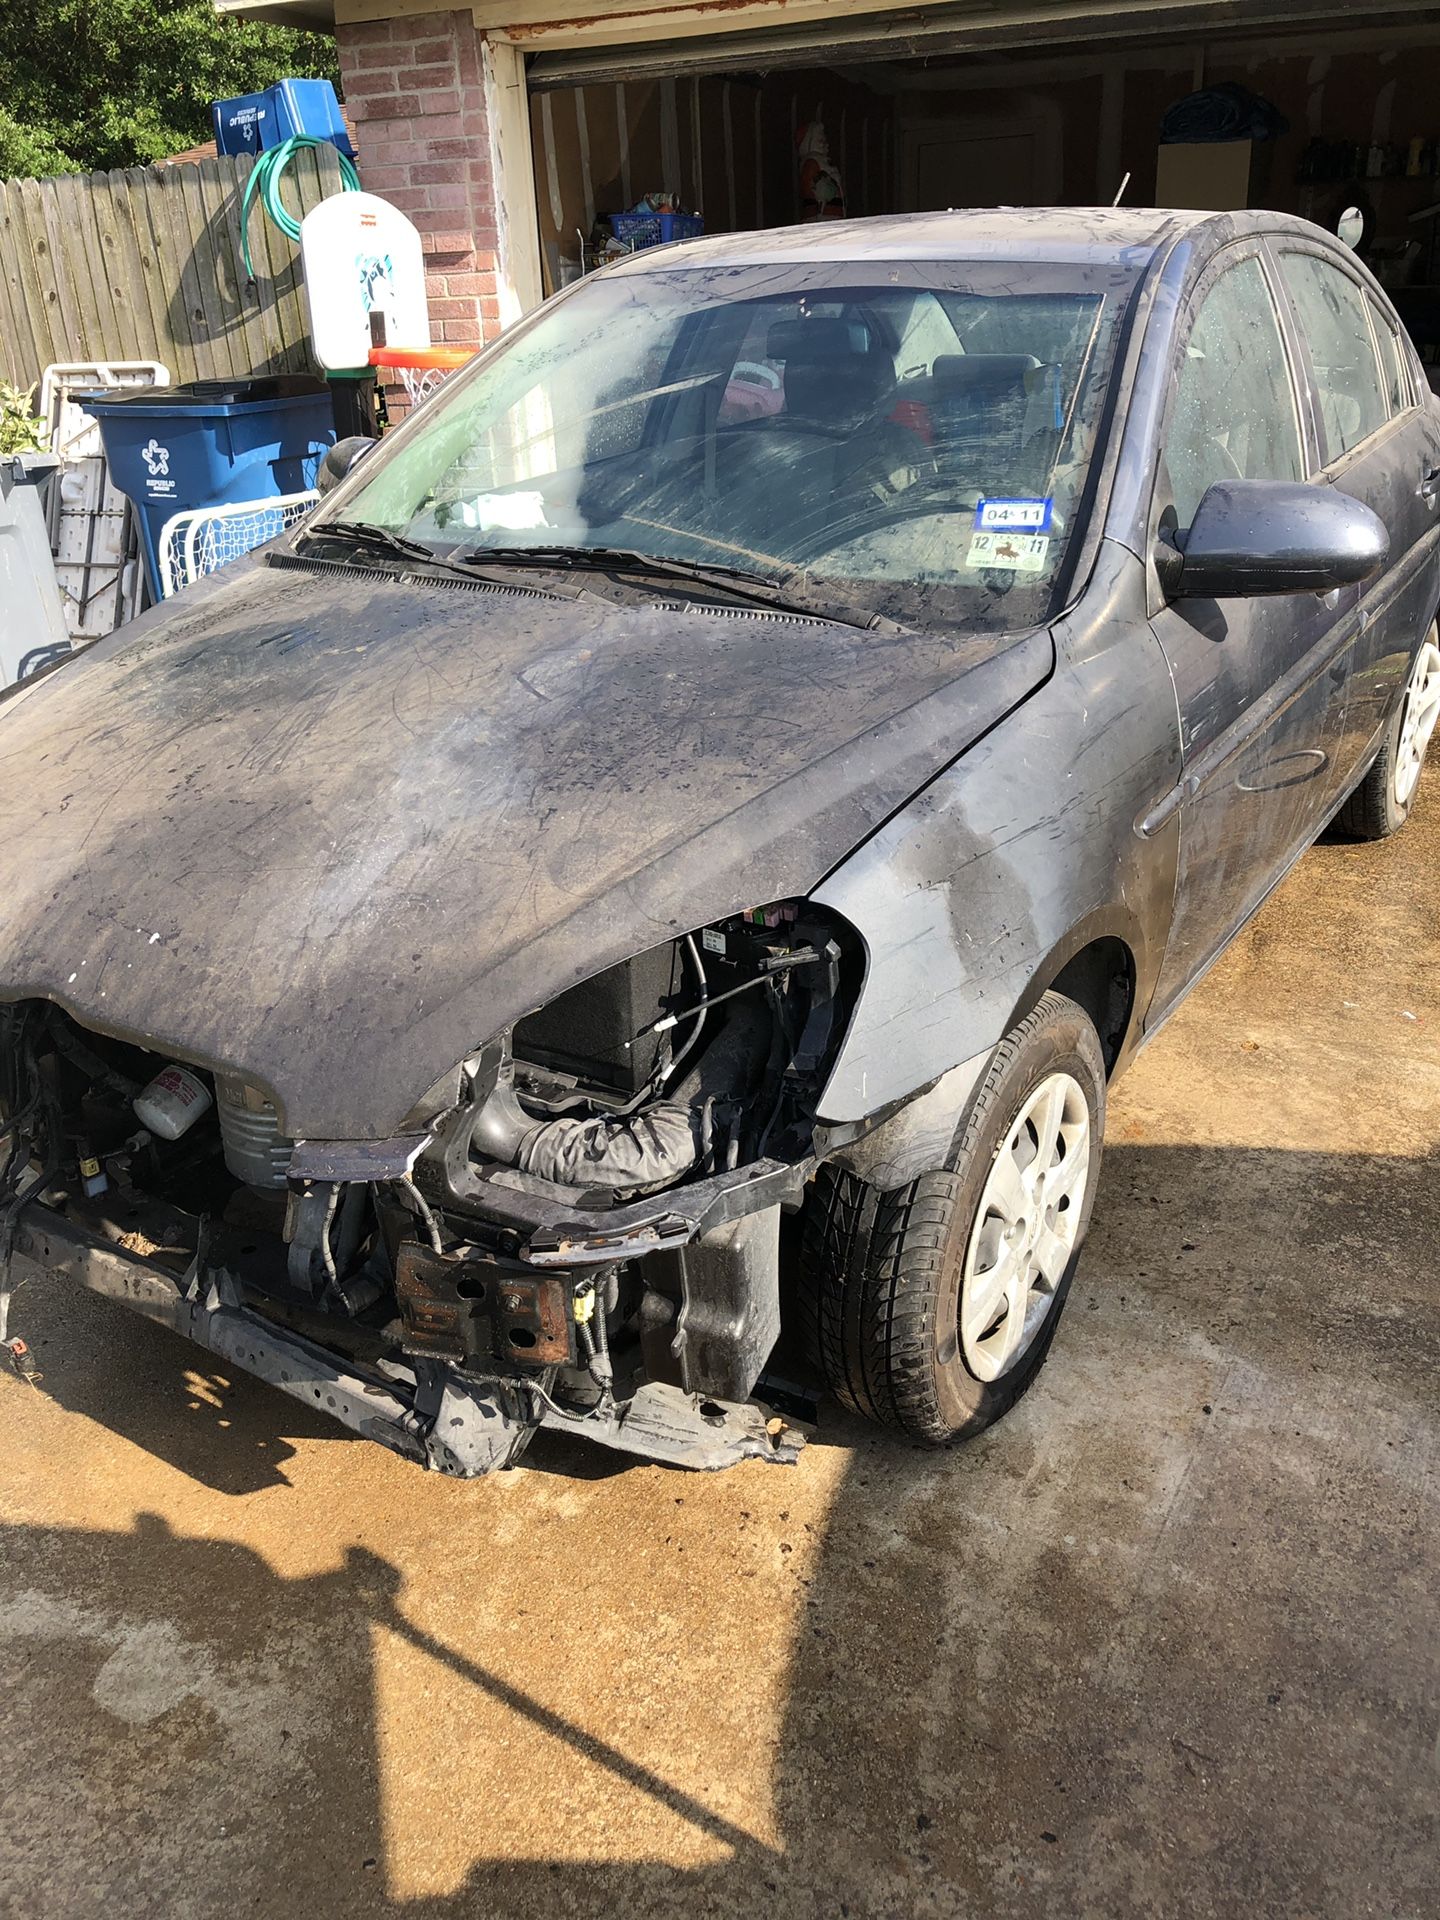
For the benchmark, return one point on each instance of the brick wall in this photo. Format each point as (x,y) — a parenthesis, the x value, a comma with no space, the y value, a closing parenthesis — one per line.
(415,89)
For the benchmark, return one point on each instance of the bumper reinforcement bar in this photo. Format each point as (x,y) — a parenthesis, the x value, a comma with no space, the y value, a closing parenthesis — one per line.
(429,1412)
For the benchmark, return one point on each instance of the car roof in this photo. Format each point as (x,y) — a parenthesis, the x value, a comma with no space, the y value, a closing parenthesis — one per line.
(1090,236)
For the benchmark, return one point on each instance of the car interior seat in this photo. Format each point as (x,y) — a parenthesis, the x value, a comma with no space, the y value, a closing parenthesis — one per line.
(818,461)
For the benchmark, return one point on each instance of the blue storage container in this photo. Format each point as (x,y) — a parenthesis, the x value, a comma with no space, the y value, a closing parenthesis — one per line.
(654,229)
(255,121)
(211,443)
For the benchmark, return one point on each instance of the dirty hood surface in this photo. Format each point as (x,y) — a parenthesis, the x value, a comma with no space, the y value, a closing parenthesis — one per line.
(333,831)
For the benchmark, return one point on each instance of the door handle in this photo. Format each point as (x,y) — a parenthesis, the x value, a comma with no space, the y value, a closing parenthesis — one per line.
(1429,485)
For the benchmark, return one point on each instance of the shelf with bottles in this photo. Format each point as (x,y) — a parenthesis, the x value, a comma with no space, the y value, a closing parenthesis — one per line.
(1331,162)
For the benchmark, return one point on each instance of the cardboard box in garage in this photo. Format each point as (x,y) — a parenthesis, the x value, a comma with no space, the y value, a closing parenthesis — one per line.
(1212,175)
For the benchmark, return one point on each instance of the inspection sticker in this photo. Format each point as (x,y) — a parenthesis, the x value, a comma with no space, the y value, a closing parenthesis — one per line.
(1020,552)
(1014,516)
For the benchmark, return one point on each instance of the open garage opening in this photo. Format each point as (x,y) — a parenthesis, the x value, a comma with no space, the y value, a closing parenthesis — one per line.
(738,127)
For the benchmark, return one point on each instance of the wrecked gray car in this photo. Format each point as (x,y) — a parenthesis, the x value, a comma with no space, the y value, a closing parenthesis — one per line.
(771,738)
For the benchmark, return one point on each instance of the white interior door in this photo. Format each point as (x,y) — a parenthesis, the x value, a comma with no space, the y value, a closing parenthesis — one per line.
(981,160)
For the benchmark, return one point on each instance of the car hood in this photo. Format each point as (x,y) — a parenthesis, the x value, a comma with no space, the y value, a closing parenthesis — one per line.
(331,830)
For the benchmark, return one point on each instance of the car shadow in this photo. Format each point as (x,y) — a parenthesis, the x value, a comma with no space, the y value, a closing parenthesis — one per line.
(1158,1643)
(211,1422)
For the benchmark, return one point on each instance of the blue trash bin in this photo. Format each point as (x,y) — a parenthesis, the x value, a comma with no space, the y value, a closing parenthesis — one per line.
(211,443)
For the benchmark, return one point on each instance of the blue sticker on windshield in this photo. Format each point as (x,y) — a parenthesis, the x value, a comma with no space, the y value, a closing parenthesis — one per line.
(1014,516)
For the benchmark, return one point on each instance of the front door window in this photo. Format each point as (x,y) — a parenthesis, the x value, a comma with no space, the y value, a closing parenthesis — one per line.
(1234,416)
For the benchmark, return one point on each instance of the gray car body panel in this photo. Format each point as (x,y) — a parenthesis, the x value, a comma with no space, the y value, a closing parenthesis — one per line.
(975,895)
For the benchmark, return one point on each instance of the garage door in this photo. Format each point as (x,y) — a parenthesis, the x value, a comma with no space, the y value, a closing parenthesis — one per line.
(570,55)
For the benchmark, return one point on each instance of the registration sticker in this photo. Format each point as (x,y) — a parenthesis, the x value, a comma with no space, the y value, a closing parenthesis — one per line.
(1014,516)
(1019,552)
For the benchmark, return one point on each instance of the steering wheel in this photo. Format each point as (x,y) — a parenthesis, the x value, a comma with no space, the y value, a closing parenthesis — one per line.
(880,511)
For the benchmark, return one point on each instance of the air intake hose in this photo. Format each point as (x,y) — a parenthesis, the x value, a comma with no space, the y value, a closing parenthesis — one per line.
(643,1149)
(651,1148)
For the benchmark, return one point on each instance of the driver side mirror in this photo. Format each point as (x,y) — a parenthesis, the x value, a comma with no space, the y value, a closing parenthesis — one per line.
(1252,537)
(339,459)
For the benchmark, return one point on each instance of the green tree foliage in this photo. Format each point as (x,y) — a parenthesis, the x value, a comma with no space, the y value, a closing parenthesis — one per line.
(21,431)
(113,83)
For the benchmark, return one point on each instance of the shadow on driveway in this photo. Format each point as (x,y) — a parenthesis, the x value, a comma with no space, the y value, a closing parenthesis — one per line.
(1164,1642)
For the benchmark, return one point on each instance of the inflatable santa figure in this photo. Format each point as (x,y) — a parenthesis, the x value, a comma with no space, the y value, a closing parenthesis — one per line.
(822,193)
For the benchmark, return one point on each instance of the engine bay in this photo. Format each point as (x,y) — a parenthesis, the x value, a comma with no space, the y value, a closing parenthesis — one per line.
(588,1207)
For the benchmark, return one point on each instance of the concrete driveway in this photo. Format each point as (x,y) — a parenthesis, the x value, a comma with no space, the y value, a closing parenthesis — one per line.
(1166,1642)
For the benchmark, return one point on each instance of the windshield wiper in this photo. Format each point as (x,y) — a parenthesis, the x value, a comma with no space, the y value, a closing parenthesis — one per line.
(739,582)
(363,533)
(395,546)
(600,559)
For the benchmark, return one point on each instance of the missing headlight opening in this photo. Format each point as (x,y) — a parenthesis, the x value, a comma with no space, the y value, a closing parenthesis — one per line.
(582,1231)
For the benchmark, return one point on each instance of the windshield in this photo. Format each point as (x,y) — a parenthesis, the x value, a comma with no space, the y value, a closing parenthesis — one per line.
(912,440)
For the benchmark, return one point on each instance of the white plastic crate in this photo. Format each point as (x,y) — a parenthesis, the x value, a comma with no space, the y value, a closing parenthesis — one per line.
(91,523)
(204,539)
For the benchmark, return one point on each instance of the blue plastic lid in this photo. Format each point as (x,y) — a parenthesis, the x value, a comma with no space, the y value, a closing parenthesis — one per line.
(196,397)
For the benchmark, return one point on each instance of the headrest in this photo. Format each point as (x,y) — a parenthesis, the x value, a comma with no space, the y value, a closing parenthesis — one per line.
(813,340)
(984,374)
(829,378)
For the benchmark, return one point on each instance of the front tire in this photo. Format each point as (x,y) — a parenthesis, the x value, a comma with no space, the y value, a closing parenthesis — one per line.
(933,1307)
(1381,804)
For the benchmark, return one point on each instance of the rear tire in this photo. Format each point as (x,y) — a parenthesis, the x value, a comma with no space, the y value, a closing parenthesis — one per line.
(1381,804)
(932,1308)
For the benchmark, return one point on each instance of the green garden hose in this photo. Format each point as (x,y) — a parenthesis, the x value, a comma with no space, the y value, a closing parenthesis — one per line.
(265,177)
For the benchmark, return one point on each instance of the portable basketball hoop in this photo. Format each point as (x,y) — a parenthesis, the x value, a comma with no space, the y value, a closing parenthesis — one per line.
(422,369)
(365,290)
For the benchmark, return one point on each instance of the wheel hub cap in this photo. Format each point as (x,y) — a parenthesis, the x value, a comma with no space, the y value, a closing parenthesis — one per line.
(1026,1226)
(1422,709)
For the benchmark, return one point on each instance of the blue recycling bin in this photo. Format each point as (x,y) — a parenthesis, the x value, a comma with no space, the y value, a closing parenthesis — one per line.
(211,443)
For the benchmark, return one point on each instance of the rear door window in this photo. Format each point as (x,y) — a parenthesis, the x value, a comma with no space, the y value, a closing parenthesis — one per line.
(1331,311)
(1234,415)
(1393,369)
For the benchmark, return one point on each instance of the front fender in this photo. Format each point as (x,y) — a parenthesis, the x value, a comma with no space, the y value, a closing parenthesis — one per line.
(971,898)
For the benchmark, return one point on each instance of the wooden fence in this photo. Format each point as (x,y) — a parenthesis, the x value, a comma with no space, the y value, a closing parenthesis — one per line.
(145,264)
